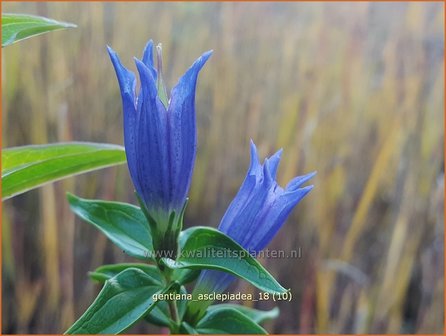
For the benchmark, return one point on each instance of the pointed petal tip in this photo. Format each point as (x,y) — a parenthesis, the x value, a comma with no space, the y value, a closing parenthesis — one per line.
(148,84)
(277,155)
(253,149)
(148,49)
(312,174)
(207,54)
(112,53)
(296,195)
(200,61)
(254,158)
(140,66)
(120,69)
(187,83)
(273,162)
(252,146)
(147,57)
(306,190)
(299,180)
(309,188)
(126,78)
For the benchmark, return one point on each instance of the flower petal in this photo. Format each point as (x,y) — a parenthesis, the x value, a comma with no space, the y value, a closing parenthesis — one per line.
(255,167)
(152,164)
(276,217)
(273,163)
(244,219)
(299,180)
(126,79)
(127,83)
(257,212)
(147,58)
(182,130)
(268,178)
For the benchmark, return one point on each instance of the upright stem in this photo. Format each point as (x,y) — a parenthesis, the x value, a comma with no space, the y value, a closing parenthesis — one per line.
(172,305)
(174,314)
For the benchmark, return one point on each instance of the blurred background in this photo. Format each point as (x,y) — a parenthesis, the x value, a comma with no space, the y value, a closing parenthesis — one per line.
(352,90)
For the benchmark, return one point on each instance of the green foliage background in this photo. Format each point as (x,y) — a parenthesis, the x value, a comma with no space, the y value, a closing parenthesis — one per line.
(354,91)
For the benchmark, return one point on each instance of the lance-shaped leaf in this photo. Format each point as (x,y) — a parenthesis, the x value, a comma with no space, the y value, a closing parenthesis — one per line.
(208,248)
(258,316)
(160,315)
(106,272)
(124,224)
(187,329)
(123,300)
(227,321)
(27,167)
(16,27)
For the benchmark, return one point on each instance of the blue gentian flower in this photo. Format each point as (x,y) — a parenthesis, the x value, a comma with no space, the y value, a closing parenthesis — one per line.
(160,140)
(256,214)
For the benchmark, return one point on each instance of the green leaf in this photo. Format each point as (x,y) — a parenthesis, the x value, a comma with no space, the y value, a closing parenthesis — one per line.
(160,315)
(184,276)
(106,272)
(27,167)
(124,224)
(227,321)
(123,300)
(16,27)
(186,329)
(208,248)
(256,315)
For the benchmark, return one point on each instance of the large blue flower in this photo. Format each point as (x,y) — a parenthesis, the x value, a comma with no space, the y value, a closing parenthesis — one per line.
(257,212)
(160,140)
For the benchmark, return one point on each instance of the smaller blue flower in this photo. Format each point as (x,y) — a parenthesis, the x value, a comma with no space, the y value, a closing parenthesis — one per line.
(160,140)
(253,218)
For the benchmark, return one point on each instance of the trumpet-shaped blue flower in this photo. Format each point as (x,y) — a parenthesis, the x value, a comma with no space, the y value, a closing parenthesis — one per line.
(160,140)
(257,212)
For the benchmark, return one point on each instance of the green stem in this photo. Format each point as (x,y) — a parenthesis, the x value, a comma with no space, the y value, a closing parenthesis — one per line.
(172,306)
(174,315)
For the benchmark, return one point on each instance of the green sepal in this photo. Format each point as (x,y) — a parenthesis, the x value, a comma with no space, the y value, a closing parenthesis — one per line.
(165,229)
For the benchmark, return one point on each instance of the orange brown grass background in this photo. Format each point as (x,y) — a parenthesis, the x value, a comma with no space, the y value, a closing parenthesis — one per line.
(352,90)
